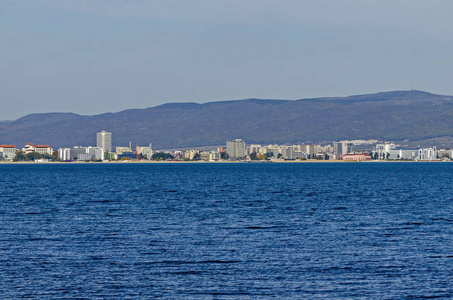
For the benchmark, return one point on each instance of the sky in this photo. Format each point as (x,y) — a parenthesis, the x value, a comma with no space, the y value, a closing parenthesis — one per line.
(96,56)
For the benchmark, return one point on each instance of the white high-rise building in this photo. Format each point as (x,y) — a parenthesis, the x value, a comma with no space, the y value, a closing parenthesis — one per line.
(104,140)
(236,149)
(342,148)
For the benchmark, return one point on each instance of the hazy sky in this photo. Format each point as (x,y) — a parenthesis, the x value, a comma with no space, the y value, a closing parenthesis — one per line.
(95,56)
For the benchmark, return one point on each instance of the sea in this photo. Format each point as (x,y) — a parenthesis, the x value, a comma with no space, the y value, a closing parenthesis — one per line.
(226,231)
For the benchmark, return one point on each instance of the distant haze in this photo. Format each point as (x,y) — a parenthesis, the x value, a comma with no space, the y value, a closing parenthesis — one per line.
(89,57)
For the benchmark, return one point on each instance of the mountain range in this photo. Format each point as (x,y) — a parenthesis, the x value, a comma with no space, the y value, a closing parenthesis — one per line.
(397,115)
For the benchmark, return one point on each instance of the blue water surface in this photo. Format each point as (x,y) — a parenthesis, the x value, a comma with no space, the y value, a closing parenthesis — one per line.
(227,231)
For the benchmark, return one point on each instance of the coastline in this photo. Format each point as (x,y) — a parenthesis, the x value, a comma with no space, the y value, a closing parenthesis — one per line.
(214,162)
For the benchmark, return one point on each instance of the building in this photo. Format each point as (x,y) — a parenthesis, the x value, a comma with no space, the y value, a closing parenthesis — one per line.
(308,149)
(96,153)
(400,154)
(81,153)
(190,154)
(146,152)
(126,155)
(383,151)
(178,154)
(209,155)
(427,154)
(119,150)
(7,152)
(445,154)
(64,154)
(104,140)
(236,149)
(253,149)
(356,157)
(342,148)
(41,149)
(323,150)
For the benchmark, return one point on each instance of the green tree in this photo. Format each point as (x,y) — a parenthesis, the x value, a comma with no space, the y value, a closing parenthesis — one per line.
(20,156)
(55,156)
(32,156)
(253,156)
(162,156)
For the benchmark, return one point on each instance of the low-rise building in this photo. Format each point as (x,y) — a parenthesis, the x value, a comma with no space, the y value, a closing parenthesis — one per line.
(97,153)
(81,153)
(126,155)
(383,151)
(356,157)
(7,152)
(427,154)
(190,154)
(402,154)
(41,149)
(209,155)
(119,150)
(445,153)
(146,152)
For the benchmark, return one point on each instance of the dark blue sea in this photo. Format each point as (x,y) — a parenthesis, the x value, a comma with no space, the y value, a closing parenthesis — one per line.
(226,231)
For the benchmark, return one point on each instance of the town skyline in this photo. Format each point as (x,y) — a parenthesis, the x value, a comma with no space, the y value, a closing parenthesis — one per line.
(235,150)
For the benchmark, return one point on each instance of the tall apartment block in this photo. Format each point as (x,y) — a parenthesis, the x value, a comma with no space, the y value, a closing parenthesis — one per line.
(104,140)
(236,148)
(343,147)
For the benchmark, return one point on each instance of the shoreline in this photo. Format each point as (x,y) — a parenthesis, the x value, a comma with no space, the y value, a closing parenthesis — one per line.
(215,162)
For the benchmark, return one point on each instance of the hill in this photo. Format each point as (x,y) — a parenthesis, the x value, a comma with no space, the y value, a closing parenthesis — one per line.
(398,115)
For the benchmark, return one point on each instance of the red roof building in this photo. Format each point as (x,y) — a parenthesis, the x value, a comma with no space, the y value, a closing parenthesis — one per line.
(357,157)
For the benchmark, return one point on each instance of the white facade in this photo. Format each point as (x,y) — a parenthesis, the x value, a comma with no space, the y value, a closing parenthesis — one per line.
(253,149)
(64,154)
(236,148)
(7,152)
(145,151)
(97,153)
(427,154)
(403,154)
(343,147)
(121,150)
(283,151)
(383,151)
(104,140)
(210,155)
(309,149)
(81,153)
(445,154)
(41,149)
(190,154)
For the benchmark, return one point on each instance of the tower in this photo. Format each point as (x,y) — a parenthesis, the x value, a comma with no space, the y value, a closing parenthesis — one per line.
(236,148)
(104,140)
